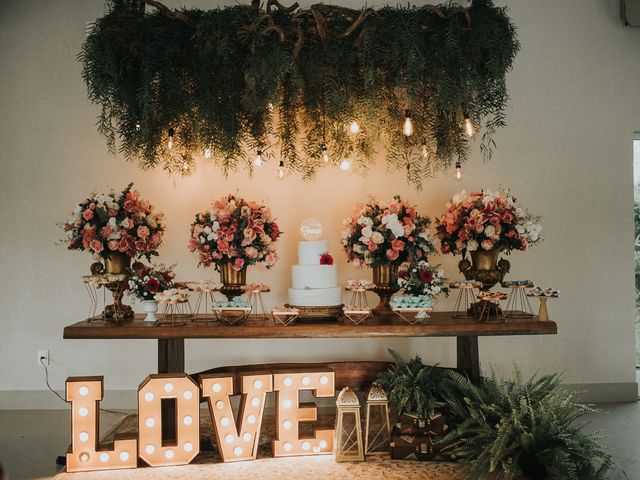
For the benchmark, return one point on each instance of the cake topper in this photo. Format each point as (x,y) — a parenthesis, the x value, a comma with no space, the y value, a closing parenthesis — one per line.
(311,229)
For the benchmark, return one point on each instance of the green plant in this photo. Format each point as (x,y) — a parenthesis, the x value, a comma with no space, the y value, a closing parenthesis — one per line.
(413,387)
(503,427)
(234,81)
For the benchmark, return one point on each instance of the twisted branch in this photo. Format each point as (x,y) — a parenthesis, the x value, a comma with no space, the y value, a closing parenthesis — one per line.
(172,14)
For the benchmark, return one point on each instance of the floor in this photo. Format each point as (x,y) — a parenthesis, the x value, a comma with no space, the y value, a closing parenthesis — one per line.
(30,441)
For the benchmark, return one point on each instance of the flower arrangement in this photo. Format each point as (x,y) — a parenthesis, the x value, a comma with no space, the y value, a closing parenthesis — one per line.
(487,220)
(149,281)
(383,234)
(236,231)
(420,278)
(115,222)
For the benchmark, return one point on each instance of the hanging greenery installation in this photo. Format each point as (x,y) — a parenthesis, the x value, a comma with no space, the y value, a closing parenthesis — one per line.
(327,85)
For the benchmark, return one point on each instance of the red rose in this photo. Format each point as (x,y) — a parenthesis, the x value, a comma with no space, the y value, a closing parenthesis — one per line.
(326,259)
(425,276)
(152,285)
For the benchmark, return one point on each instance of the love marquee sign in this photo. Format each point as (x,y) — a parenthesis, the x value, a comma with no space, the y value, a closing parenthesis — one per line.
(236,436)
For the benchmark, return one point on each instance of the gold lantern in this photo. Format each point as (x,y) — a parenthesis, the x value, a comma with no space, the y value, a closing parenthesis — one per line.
(378,427)
(349,428)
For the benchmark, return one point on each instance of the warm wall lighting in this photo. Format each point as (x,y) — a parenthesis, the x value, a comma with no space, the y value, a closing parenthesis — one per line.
(207,153)
(85,394)
(407,128)
(345,164)
(354,128)
(280,173)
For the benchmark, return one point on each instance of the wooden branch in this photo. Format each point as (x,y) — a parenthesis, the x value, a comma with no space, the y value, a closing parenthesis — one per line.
(281,7)
(172,14)
(363,15)
(321,22)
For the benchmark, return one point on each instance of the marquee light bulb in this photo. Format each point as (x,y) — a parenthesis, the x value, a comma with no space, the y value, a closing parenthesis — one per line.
(354,128)
(345,164)
(407,128)
(458,171)
(325,154)
(468,126)
(280,173)
(170,142)
(138,126)
(425,150)
(258,161)
(207,153)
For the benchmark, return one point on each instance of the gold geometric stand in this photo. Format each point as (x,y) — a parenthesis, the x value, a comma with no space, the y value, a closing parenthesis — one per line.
(348,428)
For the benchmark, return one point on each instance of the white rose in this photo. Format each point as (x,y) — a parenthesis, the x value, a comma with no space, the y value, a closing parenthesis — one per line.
(489,231)
(396,229)
(112,222)
(202,239)
(520,229)
(472,245)
(207,230)
(390,219)
(365,221)
(212,236)
(367,231)
(216,226)
(377,238)
(344,233)
(364,240)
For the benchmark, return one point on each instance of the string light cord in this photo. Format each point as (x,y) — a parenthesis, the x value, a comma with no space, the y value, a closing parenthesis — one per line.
(46,380)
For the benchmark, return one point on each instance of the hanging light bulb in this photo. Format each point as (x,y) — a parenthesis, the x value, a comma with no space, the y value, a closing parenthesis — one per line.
(170,142)
(345,164)
(425,150)
(258,161)
(458,170)
(407,128)
(185,168)
(138,126)
(270,107)
(207,153)
(324,150)
(354,127)
(280,173)
(468,126)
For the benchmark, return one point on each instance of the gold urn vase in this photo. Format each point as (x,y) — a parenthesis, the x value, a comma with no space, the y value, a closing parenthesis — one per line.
(232,280)
(117,264)
(486,267)
(384,277)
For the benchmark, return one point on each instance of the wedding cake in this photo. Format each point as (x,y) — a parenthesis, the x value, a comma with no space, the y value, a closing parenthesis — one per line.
(314,280)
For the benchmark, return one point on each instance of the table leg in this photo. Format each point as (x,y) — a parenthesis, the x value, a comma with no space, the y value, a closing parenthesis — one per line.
(468,357)
(170,360)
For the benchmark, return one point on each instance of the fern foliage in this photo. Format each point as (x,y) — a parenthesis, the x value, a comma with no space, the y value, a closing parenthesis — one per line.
(507,427)
(245,78)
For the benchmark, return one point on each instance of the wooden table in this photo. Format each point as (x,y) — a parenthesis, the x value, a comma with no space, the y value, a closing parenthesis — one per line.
(441,324)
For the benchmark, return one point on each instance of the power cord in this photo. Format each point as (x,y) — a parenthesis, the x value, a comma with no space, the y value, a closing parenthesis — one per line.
(46,379)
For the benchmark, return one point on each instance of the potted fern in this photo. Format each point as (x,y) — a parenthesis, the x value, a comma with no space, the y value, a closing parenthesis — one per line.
(514,427)
(412,387)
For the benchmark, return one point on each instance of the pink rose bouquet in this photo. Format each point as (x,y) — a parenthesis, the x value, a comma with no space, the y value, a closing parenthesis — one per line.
(486,221)
(383,234)
(115,222)
(236,231)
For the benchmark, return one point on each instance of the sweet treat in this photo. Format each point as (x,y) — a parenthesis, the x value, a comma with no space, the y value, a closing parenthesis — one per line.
(517,284)
(314,280)
(546,292)
(411,301)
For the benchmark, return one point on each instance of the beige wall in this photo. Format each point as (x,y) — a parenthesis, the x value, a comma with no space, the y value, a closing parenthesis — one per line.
(567,154)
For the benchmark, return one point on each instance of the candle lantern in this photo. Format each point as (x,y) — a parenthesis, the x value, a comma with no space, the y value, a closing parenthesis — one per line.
(378,428)
(348,428)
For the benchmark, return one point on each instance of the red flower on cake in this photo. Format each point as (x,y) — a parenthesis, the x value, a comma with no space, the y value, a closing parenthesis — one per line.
(326,259)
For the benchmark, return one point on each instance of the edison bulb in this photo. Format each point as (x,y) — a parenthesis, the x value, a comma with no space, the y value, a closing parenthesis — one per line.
(207,153)
(325,155)
(258,161)
(468,126)
(407,128)
(345,164)
(170,142)
(138,126)
(425,151)
(311,229)
(354,128)
(280,173)
(458,171)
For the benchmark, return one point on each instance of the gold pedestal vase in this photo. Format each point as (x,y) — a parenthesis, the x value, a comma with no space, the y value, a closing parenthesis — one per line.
(232,280)
(384,277)
(117,264)
(486,267)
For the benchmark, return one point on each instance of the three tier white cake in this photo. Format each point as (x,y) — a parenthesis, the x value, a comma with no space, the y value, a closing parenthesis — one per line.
(313,284)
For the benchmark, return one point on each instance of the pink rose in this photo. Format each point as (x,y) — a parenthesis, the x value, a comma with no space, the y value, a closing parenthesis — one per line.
(141,245)
(397,245)
(494,220)
(111,212)
(197,230)
(392,254)
(271,259)
(113,245)
(143,231)
(460,244)
(96,246)
(394,207)
(238,263)
(106,231)
(373,246)
(445,247)
(223,246)
(487,245)
(356,262)
(251,252)
(87,215)
(123,245)
(507,217)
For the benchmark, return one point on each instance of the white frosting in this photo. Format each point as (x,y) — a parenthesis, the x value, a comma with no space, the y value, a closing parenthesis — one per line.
(309,252)
(314,276)
(317,297)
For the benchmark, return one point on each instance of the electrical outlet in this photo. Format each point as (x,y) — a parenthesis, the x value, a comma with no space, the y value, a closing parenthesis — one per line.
(44,356)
